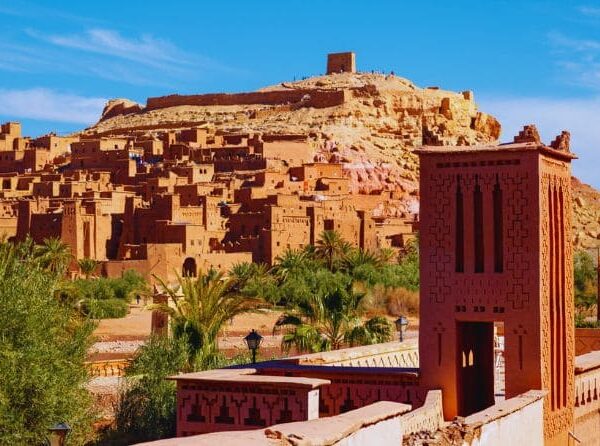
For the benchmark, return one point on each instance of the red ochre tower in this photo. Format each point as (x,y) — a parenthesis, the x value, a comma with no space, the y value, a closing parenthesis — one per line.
(495,240)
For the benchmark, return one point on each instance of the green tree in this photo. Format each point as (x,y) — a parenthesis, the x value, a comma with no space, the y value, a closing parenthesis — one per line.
(87,266)
(202,306)
(54,255)
(585,276)
(43,346)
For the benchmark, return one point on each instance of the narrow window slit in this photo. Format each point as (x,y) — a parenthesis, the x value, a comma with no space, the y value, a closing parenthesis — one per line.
(478,226)
(460,236)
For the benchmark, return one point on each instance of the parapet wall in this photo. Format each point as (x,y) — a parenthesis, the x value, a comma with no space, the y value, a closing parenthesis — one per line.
(587,398)
(519,420)
(389,354)
(309,98)
(377,424)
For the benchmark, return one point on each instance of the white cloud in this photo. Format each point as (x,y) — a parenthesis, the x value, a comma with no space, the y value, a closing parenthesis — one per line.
(108,54)
(551,116)
(589,11)
(144,50)
(50,105)
(577,59)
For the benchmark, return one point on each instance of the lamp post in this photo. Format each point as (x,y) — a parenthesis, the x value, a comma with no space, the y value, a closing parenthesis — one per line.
(253,340)
(401,325)
(58,434)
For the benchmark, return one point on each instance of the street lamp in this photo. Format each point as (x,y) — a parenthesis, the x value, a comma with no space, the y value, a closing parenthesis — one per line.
(253,340)
(58,434)
(401,324)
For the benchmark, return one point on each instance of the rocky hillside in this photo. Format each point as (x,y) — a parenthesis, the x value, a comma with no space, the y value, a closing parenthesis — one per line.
(372,130)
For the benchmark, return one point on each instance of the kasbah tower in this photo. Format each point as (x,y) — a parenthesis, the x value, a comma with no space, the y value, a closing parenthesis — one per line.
(495,238)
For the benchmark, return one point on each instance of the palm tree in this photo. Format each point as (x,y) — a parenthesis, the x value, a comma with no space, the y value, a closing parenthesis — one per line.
(385,255)
(87,266)
(329,321)
(53,255)
(359,257)
(375,330)
(331,248)
(202,306)
(243,272)
(290,261)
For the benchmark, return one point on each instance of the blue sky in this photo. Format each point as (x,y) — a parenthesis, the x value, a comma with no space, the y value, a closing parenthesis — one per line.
(526,61)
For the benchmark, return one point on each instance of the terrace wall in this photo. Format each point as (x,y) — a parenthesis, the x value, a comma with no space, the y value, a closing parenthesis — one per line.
(310,98)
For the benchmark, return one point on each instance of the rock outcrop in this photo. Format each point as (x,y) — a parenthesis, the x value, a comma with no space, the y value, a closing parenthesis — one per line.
(370,122)
(119,107)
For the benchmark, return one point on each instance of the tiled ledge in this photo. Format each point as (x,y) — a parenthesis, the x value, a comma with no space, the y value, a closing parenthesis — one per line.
(586,362)
(249,376)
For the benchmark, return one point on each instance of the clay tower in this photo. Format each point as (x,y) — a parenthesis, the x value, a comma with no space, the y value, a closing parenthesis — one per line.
(495,239)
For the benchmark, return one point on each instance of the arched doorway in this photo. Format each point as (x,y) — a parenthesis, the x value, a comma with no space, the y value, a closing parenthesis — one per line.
(189,267)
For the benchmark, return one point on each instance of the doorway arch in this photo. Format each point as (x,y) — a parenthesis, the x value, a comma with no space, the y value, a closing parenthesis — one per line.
(189,267)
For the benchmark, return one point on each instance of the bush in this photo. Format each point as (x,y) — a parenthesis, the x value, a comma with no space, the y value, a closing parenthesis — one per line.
(584,273)
(394,301)
(147,402)
(105,308)
(582,322)
(129,284)
(97,289)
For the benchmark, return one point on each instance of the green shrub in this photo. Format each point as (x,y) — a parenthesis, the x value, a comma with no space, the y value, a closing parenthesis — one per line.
(105,308)
(129,284)
(582,322)
(394,301)
(147,403)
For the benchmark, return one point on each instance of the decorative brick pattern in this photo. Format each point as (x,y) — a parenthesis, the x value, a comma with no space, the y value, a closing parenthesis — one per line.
(206,408)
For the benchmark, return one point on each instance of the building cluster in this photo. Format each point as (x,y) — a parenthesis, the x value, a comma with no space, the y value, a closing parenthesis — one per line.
(168,202)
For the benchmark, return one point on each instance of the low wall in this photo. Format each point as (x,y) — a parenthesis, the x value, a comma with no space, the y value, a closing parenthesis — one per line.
(378,424)
(238,399)
(309,98)
(586,340)
(388,354)
(519,420)
(427,418)
(111,367)
(587,398)
(350,388)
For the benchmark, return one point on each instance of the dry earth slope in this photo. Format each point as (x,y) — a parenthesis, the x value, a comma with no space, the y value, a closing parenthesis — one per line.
(373,131)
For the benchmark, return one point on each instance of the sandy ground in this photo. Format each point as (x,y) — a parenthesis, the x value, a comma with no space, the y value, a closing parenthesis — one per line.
(120,338)
(136,325)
